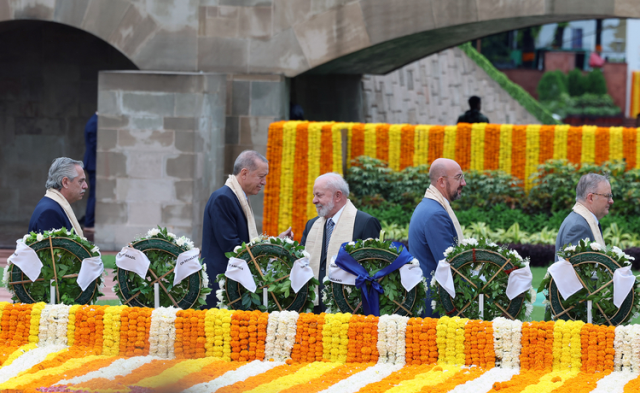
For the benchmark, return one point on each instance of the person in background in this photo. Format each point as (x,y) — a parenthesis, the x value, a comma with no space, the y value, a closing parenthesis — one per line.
(473,115)
(91,144)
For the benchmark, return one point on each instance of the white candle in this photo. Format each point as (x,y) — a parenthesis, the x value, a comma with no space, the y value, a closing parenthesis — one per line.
(589,316)
(265,297)
(52,291)
(156,295)
(481,305)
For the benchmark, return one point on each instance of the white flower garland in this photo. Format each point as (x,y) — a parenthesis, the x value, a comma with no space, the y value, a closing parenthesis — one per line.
(27,361)
(162,332)
(627,347)
(614,382)
(484,383)
(120,367)
(507,335)
(281,335)
(53,325)
(391,339)
(249,370)
(359,380)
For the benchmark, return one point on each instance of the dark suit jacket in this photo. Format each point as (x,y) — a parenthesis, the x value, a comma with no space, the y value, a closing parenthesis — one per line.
(364,227)
(48,215)
(431,232)
(573,229)
(90,143)
(224,227)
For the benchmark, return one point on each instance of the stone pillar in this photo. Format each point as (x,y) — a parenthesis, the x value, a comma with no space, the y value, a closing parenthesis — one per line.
(161,149)
(253,102)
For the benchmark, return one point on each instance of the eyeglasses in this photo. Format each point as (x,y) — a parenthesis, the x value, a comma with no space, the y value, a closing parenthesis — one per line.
(608,196)
(459,177)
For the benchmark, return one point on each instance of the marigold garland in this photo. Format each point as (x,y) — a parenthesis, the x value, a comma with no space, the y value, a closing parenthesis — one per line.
(574,144)
(176,372)
(305,374)
(532,154)
(518,151)
(436,143)
(300,181)
(421,346)
(450,137)
(363,339)
(208,372)
(19,352)
(395,146)
(537,346)
(629,142)
(272,189)
(111,334)
(406,373)
(264,378)
(308,345)
(478,137)
(478,346)
(616,152)
(286,175)
(335,337)
(336,146)
(155,367)
(506,147)
(602,141)
(313,164)
(492,147)
(560,142)
(218,333)
(450,334)
(134,331)
(547,139)
(567,351)
(407,146)
(588,144)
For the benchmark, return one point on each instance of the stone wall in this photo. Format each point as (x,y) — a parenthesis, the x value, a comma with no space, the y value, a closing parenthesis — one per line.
(253,102)
(435,90)
(48,91)
(161,146)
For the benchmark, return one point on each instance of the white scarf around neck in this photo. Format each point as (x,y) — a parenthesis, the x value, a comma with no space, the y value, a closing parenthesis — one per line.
(57,197)
(585,213)
(232,183)
(435,194)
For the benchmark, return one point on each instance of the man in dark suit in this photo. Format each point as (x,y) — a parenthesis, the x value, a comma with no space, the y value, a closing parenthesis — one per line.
(91,144)
(593,199)
(338,222)
(228,217)
(434,226)
(66,184)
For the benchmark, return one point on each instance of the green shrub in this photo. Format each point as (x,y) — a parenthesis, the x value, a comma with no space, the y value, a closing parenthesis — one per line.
(551,85)
(495,198)
(595,83)
(577,83)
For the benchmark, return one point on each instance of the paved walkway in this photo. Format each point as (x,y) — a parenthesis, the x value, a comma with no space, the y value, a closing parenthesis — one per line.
(5,296)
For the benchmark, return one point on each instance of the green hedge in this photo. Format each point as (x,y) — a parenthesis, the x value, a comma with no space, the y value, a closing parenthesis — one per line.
(494,197)
(514,90)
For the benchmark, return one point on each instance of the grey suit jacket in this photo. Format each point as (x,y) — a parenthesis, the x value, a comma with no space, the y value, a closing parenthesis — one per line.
(573,229)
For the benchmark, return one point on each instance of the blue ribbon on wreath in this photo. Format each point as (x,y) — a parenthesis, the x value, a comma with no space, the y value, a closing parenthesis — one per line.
(371,299)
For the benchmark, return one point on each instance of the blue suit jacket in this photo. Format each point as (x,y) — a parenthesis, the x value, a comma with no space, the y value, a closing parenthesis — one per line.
(431,231)
(48,215)
(223,228)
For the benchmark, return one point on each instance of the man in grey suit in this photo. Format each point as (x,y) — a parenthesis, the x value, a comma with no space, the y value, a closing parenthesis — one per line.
(593,199)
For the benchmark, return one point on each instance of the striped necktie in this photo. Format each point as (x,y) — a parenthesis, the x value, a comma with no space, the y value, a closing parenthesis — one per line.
(330,225)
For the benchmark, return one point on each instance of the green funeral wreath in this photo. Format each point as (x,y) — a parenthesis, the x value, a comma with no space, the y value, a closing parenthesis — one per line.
(374,255)
(486,266)
(69,250)
(162,248)
(594,265)
(274,257)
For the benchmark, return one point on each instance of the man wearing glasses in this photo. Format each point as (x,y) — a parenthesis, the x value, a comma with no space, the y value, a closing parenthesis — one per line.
(434,226)
(593,199)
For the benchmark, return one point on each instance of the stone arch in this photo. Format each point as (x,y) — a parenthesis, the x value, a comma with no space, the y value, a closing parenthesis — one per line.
(48,91)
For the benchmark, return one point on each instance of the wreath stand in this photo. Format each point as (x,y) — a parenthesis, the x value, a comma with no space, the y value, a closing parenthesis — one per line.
(275,251)
(18,280)
(161,245)
(403,307)
(484,257)
(558,310)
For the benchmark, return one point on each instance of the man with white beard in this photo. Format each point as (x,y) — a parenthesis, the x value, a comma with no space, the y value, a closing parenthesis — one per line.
(338,222)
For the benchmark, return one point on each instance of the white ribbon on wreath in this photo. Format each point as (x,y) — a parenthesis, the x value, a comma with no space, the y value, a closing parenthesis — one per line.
(133,260)
(187,264)
(519,280)
(27,260)
(238,270)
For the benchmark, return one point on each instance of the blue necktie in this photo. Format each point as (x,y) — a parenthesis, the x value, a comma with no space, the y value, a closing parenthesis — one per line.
(330,226)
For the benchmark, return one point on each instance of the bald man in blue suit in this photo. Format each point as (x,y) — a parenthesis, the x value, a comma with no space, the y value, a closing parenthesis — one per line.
(434,227)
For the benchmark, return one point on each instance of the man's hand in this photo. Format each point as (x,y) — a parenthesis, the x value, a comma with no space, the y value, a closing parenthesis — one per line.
(288,233)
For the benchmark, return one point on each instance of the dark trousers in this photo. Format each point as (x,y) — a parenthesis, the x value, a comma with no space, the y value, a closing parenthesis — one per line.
(90,215)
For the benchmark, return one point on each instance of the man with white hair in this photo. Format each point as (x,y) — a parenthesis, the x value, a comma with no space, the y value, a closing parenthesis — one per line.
(593,199)
(338,222)
(65,185)
(228,217)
